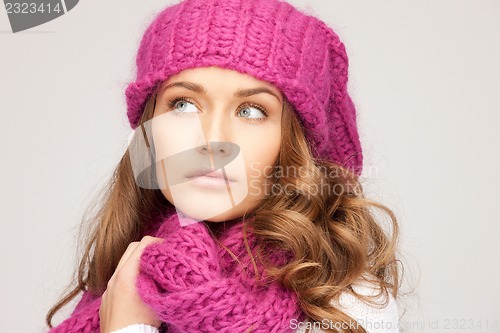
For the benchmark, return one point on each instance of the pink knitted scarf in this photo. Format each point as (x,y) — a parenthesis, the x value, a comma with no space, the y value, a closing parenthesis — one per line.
(195,285)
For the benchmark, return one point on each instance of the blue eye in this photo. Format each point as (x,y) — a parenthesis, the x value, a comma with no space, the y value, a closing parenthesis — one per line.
(252,112)
(246,111)
(181,104)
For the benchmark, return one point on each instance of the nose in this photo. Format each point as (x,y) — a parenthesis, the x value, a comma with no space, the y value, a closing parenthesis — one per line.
(217,133)
(217,148)
(220,153)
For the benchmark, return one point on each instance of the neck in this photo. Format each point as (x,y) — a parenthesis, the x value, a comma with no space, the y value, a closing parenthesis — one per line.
(218,228)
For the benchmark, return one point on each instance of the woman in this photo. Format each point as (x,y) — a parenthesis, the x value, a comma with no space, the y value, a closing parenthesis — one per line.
(237,206)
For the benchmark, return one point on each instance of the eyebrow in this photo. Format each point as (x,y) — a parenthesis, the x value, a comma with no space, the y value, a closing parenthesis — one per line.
(240,93)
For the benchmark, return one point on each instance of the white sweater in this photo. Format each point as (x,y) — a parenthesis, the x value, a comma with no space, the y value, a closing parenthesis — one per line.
(373,319)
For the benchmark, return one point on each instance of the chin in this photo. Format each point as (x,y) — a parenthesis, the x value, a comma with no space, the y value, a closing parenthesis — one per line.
(222,217)
(210,205)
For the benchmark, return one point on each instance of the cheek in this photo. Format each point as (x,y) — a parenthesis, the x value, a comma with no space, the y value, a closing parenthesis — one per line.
(260,155)
(173,135)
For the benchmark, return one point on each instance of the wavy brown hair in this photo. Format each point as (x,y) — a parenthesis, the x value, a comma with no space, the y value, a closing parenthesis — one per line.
(333,235)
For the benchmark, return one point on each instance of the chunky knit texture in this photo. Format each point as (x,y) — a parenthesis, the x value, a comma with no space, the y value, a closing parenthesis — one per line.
(195,285)
(268,39)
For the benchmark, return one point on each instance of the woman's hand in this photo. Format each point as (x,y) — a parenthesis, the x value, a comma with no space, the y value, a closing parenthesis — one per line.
(121,304)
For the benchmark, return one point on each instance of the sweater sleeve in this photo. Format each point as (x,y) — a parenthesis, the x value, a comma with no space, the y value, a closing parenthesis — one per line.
(137,328)
(373,319)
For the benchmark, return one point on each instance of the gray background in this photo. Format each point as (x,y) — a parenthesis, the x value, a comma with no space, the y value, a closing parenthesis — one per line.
(424,75)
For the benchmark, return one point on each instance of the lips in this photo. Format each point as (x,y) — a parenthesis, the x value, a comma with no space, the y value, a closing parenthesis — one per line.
(209,173)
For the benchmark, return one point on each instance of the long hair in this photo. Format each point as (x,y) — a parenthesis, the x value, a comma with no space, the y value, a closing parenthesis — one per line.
(333,235)
(318,212)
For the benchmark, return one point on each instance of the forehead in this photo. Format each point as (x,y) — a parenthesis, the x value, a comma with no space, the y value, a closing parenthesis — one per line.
(214,78)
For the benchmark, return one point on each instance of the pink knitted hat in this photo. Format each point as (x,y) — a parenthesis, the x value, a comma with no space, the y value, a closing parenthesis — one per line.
(270,40)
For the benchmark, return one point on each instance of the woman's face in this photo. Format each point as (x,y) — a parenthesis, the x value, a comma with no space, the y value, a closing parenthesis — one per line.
(217,135)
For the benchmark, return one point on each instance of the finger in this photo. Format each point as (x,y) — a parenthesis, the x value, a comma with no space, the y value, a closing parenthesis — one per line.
(135,249)
(103,301)
(131,247)
(135,256)
(145,241)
